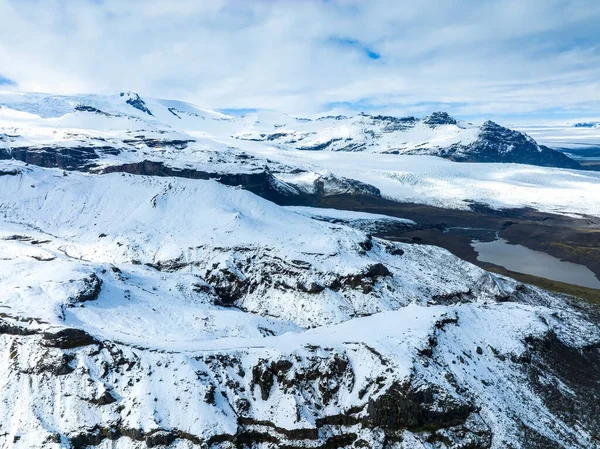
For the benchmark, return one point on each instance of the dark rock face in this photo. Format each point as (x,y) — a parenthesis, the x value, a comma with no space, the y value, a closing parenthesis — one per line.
(577,369)
(261,183)
(319,146)
(228,286)
(496,143)
(159,143)
(160,439)
(403,406)
(136,101)
(8,172)
(324,184)
(105,398)
(439,118)
(364,281)
(68,339)
(392,124)
(91,109)
(74,158)
(91,290)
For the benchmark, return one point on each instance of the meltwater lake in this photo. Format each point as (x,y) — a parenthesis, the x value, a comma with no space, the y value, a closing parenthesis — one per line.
(524,260)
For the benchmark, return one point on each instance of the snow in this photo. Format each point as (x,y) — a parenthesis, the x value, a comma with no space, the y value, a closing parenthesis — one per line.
(201,225)
(216,146)
(443,183)
(345,215)
(174,358)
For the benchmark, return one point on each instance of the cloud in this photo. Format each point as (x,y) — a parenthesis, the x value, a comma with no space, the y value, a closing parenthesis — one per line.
(499,57)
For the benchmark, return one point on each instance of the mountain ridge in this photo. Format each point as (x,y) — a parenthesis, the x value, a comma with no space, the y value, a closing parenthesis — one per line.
(437,134)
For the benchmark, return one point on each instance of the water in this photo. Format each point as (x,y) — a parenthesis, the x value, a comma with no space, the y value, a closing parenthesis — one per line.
(524,260)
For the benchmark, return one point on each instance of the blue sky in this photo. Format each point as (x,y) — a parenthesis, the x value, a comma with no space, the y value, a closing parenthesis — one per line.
(518,60)
(5,81)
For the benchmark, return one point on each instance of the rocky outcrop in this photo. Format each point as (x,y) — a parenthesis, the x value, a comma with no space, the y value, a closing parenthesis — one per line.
(136,101)
(439,118)
(406,406)
(80,158)
(556,370)
(69,338)
(496,143)
(89,290)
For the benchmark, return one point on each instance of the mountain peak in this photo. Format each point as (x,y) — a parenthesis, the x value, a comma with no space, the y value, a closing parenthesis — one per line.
(439,118)
(489,124)
(133,99)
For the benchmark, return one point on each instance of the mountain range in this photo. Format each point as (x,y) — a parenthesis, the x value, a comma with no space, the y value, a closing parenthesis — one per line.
(166,282)
(438,134)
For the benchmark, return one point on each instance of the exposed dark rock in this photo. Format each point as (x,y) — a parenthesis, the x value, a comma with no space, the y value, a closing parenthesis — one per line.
(159,143)
(136,101)
(11,329)
(105,398)
(91,290)
(377,270)
(58,364)
(553,365)
(395,123)
(169,265)
(394,250)
(281,366)
(453,297)
(228,286)
(439,118)
(496,143)
(209,395)
(68,339)
(367,245)
(262,183)
(80,158)
(364,280)
(263,376)
(85,108)
(160,438)
(312,287)
(320,146)
(403,406)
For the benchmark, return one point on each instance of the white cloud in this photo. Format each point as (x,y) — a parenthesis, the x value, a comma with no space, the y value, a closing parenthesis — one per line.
(493,57)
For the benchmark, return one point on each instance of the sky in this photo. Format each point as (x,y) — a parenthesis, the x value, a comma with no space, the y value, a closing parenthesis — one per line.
(518,60)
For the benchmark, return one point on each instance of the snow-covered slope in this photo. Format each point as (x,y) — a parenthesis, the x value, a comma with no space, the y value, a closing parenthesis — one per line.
(438,134)
(154,292)
(166,312)
(443,183)
(126,133)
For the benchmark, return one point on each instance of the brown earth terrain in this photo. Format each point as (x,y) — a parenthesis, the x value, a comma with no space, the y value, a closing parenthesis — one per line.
(575,240)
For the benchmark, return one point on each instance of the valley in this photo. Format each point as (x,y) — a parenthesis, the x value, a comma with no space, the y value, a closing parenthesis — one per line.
(575,240)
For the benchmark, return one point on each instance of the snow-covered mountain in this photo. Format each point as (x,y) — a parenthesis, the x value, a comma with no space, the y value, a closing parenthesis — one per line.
(125,133)
(438,134)
(155,292)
